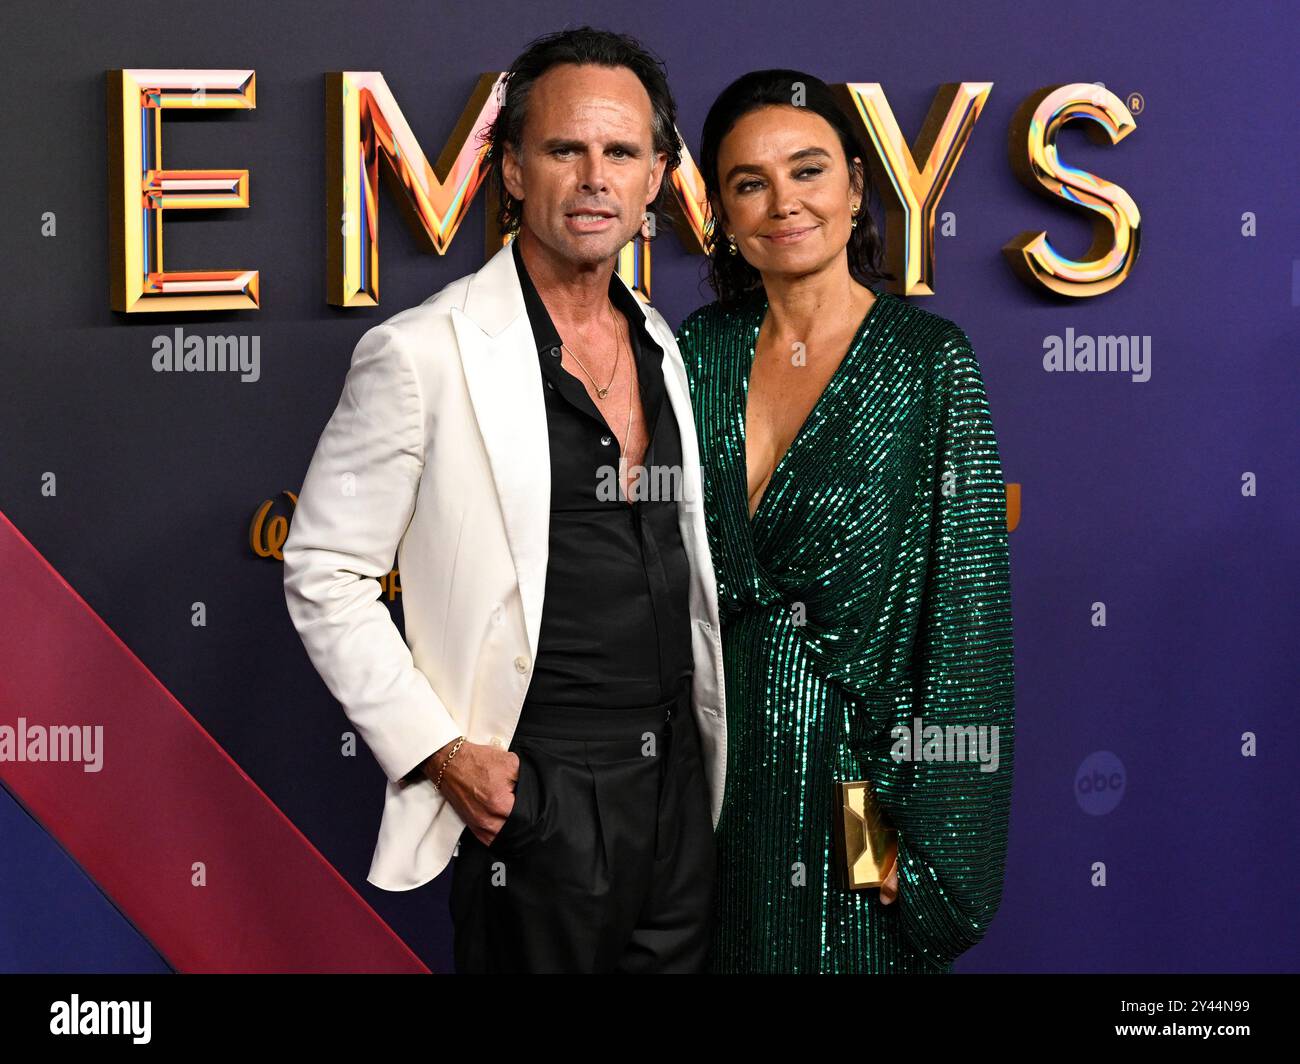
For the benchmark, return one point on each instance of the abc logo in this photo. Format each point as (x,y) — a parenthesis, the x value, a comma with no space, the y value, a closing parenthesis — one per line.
(1099,783)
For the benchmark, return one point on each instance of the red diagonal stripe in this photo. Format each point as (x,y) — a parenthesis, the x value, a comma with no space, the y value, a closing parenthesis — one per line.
(166,797)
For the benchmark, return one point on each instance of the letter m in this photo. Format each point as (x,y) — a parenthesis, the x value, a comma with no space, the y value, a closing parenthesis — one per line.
(364,125)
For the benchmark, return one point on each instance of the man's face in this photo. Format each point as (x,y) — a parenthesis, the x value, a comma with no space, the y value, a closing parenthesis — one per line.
(587,167)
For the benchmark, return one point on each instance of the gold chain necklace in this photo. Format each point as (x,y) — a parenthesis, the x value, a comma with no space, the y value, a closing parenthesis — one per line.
(618,355)
(602,392)
(626,441)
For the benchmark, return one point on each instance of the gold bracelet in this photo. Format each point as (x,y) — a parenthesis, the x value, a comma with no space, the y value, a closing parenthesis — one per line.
(437,784)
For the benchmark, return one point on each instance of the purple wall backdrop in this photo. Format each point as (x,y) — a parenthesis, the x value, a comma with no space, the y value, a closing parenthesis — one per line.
(1131,490)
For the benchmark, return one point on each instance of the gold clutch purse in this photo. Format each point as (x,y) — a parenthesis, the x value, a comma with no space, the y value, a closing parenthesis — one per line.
(866,843)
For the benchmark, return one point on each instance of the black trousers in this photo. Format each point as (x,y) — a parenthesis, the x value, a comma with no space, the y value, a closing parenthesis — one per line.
(606,861)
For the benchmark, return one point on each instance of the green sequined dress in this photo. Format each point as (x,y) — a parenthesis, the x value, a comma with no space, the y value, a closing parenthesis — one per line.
(872,587)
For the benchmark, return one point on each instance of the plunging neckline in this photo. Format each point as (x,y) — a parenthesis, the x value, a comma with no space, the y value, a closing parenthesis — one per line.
(751,520)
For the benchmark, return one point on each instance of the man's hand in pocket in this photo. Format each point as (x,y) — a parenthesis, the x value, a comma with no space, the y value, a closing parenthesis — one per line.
(479,782)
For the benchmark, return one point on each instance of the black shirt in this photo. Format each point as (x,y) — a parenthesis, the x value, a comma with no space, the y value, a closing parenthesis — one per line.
(615,629)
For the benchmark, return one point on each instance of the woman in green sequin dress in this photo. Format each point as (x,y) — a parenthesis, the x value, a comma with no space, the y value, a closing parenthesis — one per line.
(857,518)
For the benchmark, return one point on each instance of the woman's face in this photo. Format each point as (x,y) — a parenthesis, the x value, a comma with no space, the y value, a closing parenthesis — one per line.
(786,193)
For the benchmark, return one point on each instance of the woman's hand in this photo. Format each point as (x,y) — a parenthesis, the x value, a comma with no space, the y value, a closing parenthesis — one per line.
(889,888)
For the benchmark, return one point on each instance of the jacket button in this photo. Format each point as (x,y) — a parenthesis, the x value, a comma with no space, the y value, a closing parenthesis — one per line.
(521,664)
(605,441)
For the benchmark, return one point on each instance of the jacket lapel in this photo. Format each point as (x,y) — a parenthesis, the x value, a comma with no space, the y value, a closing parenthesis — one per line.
(499,356)
(690,514)
(679,399)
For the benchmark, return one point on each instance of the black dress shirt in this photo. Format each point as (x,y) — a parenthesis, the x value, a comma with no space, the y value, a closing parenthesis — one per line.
(615,628)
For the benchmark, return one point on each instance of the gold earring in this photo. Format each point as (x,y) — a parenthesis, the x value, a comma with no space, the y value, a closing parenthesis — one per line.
(855,207)
(731,241)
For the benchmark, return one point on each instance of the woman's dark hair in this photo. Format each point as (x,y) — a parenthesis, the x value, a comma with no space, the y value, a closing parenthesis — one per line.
(582,45)
(731,277)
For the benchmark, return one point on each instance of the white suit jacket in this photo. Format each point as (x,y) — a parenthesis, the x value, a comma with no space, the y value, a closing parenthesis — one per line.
(438,452)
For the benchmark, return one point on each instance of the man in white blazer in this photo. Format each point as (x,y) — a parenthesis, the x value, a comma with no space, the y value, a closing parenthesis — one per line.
(555,715)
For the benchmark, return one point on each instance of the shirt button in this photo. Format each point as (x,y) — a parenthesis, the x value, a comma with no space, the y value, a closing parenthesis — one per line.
(496,741)
(521,664)
(605,441)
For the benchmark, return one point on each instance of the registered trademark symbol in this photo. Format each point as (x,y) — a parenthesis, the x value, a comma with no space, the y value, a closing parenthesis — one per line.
(1135,103)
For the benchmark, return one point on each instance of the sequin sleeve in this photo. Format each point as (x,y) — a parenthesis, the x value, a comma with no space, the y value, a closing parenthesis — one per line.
(952,814)
(686,336)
